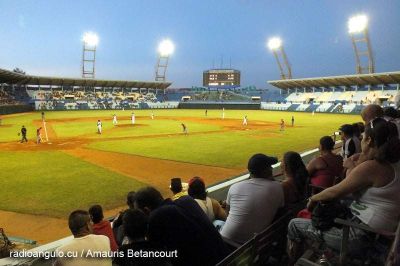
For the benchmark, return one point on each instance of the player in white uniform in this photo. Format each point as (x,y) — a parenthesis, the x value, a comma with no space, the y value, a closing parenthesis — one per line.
(152,115)
(223,113)
(133,118)
(245,120)
(115,119)
(99,125)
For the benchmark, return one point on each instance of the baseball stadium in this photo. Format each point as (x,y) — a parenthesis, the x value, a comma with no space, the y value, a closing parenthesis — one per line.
(70,145)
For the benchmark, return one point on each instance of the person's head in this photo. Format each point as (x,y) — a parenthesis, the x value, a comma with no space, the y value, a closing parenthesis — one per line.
(397,100)
(96,214)
(79,223)
(260,165)
(176,185)
(130,199)
(148,199)
(293,166)
(381,141)
(135,224)
(197,188)
(390,112)
(347,131)
(326,144)
(370,112)
(23,126)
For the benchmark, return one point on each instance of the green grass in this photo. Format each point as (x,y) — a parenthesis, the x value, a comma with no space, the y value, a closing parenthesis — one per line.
(54,183)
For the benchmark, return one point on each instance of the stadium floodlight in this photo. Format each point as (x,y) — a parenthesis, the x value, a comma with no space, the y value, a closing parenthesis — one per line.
(275,45)
(358,25)
(90,38)
(90,41)
(165,49)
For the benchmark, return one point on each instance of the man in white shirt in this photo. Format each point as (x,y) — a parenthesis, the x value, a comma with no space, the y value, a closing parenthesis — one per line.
(99,126)
(253,203)
(85,249)
(351,144)
(133,118)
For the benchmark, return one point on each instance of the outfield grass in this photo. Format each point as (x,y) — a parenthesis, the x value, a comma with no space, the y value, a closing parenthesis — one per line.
(54,183)
(232,149)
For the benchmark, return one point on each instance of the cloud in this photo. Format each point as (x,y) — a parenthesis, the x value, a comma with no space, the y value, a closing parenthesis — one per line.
(21,22)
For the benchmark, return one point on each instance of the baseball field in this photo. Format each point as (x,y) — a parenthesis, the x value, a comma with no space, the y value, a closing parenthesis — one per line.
(74,167)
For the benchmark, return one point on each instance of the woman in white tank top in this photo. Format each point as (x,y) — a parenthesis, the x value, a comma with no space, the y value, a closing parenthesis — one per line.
(374,180)
(211,207)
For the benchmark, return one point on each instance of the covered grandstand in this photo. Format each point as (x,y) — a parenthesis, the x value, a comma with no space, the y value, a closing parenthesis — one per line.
(60,93)
(347,93)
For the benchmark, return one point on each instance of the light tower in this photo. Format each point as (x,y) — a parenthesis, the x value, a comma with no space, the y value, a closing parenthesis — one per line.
(358,30)
(275,45)
(165,49)
(90,41)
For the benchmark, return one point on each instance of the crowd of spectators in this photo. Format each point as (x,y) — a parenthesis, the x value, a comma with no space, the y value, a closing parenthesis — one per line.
(9,97)
(201,230)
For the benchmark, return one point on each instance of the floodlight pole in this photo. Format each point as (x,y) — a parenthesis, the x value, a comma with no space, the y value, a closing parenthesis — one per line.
(280,52)
(88,61)
(161,67)
(359,54)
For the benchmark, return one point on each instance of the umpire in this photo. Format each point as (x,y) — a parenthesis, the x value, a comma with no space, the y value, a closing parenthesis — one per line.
(23,133)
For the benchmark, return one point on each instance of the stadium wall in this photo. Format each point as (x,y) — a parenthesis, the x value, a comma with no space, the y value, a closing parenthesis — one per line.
(11,109)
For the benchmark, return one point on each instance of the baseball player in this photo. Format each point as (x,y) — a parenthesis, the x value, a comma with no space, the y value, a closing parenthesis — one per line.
(133,118)
(99,125)
(152,115)
(292,120)
(23,133)
(282,125)
(39,135)
(115,122)
(245,120)
(223,113)
(184,129)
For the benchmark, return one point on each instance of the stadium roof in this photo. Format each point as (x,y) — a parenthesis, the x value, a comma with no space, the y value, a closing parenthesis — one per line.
(339,81)
(10,77)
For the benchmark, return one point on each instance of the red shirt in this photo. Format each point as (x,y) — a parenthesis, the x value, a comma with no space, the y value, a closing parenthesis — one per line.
(104,228)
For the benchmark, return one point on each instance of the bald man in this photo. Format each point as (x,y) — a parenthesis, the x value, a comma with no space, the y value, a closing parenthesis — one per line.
(371,112)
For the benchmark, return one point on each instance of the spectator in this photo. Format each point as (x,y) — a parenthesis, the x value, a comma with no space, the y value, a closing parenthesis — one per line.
(351,144)
(325,168)
(296,179)
(375,183)
(83,242)
(117,228)
(135,223)
(101,226)
(181,225)
(253,203)
(371,112)
(177,188)
(211,207)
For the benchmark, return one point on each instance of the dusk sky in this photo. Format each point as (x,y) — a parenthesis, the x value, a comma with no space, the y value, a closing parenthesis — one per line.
(44,37)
